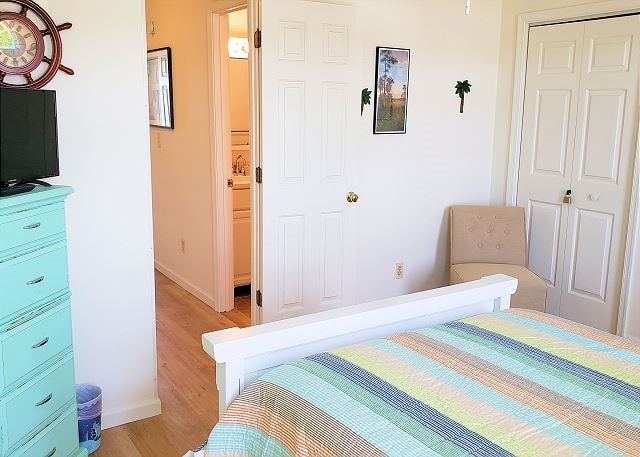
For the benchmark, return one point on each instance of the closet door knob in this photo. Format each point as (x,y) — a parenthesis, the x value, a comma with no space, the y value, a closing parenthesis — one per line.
(352,197)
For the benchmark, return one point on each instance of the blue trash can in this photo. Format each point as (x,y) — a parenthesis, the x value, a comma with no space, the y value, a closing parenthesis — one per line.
(89,399)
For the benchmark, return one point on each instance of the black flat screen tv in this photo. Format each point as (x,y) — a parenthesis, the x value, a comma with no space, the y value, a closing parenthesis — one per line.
(28,136)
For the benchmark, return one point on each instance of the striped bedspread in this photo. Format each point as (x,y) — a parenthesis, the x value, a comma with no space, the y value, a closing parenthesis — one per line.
(511,383)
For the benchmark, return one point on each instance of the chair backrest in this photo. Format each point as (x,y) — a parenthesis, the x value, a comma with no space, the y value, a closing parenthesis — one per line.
(488,234)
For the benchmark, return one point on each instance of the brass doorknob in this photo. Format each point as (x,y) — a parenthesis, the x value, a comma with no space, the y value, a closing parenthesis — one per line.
(352,197)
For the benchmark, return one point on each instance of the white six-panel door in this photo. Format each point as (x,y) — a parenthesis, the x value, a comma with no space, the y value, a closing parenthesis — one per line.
(606,141)
(310,100)
(580,133)
(548,142)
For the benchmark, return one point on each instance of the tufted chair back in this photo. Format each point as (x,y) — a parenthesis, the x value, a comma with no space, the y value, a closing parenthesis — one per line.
(488,234)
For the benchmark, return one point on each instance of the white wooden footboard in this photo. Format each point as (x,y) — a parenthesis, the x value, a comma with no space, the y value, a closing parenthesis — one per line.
(242,355)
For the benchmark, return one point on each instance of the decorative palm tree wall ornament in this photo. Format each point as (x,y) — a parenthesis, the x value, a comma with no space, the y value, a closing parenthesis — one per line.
(365,100)
(462,88)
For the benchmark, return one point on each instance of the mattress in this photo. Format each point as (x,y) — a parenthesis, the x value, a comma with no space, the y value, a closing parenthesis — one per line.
(509,383)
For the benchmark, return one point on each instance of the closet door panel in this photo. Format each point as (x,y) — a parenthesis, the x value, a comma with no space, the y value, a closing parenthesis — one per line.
(604,154)
(548,141)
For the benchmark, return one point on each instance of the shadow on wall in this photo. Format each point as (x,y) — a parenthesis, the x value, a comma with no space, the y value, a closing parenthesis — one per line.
(432,277)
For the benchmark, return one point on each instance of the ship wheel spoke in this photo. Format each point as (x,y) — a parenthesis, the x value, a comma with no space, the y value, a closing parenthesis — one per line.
(63,69)
(28,78)
(59,28)
(2,75)
(24,10)
(67,70)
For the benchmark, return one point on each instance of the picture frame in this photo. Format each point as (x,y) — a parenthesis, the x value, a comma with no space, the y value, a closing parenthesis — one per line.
(160,79)
(392,90)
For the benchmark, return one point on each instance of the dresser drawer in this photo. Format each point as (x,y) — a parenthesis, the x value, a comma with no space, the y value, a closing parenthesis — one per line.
(32,277)
(32,225)
(32,344)
(58,440)
(39,401)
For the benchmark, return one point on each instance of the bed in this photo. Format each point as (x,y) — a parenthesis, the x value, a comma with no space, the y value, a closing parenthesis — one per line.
(447,372)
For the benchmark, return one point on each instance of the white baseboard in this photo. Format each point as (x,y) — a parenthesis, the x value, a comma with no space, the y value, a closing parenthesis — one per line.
(186,285)
(633,338)
(130,413)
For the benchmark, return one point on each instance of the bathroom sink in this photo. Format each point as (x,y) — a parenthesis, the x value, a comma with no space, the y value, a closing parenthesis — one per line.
(241,181)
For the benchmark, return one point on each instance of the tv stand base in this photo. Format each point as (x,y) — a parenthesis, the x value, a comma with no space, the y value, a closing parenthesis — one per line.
(17,189)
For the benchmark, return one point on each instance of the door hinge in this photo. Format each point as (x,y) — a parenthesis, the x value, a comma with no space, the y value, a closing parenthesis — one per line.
(259,175)
(259,298)
(257,39)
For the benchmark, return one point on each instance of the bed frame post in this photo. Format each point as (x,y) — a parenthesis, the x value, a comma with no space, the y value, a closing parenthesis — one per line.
(230,381)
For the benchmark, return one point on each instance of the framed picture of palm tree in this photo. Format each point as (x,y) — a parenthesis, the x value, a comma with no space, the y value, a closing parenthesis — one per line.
(392,90)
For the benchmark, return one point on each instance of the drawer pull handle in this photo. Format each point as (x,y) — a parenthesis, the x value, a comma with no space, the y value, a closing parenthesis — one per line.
(45,400)
(32,226)
(41,343)
(51,453)
(35,281)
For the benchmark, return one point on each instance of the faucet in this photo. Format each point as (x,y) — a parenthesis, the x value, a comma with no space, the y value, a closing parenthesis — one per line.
(241,169)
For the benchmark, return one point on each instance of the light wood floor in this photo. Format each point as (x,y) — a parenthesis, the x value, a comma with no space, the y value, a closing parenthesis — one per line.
(186,378)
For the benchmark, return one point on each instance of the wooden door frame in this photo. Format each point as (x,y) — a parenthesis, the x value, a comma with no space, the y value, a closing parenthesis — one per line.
(525,22)
(220,145)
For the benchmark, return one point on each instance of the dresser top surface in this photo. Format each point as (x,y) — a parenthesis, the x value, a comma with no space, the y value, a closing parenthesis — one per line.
(35,196)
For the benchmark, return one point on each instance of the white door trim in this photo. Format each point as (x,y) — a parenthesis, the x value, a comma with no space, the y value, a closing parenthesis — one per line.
(220,145)
(525,22)
(254,8)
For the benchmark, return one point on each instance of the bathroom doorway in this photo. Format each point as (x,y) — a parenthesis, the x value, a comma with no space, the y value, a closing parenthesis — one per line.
(241,171)
(234,132)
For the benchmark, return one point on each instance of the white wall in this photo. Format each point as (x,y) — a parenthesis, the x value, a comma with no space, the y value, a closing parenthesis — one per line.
(181,158)
(511,10)
(407,182)
(104,155)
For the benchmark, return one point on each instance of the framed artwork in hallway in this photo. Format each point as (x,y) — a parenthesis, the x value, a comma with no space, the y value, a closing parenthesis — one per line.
(160,88)
(392,90)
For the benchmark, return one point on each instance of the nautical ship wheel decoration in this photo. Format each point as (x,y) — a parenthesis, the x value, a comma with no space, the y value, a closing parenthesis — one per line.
(24,46)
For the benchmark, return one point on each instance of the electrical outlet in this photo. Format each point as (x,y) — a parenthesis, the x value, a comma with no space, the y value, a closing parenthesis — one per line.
(399,270)
(183,249)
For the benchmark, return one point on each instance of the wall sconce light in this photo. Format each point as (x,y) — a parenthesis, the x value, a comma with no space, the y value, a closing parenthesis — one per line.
(468,8)
(238,48)
(152,28)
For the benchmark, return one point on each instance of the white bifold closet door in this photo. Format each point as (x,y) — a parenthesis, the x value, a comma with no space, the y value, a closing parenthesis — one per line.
(580,135)
(311,83)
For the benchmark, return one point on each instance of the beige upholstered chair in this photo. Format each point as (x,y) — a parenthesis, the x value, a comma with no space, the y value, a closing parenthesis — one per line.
(487,240)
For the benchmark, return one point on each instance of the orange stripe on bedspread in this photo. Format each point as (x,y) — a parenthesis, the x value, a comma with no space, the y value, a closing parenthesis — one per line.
(296,440)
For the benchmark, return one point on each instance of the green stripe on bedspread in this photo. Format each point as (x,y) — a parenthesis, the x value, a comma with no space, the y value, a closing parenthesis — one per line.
(501,384)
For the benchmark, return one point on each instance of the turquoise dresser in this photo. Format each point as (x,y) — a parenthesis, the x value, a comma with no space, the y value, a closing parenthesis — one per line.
(37,387)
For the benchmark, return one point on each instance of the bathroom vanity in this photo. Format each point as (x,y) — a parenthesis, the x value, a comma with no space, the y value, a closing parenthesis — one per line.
(242,230)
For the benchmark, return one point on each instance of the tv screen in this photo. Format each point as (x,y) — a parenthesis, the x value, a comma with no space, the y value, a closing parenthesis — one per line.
(28,135)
